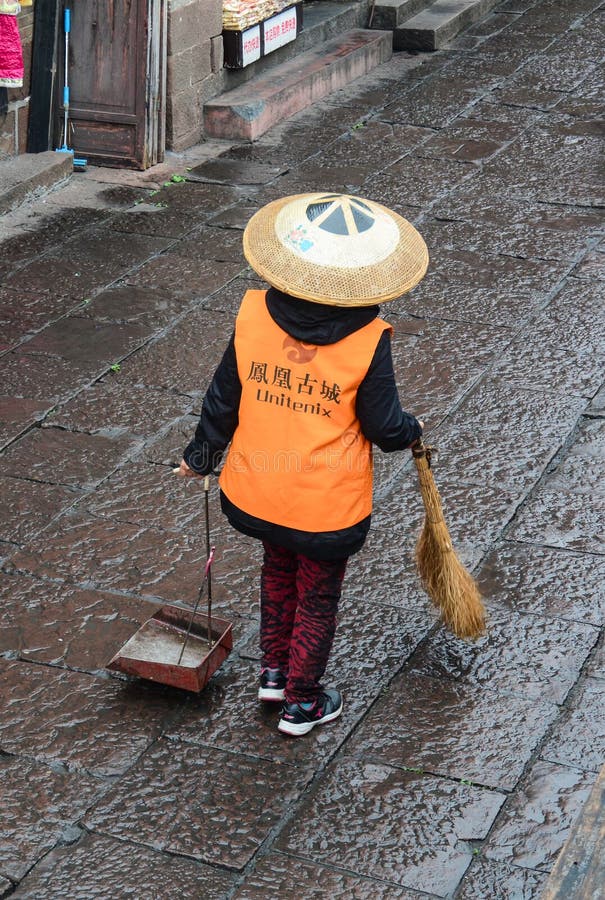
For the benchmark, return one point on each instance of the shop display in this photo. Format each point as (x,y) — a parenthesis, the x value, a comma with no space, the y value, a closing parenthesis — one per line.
(254,28)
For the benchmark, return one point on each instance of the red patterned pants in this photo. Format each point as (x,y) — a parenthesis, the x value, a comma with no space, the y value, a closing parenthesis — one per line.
(298,600)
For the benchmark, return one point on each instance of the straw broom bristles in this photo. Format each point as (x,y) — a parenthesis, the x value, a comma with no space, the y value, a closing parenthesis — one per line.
(451,588)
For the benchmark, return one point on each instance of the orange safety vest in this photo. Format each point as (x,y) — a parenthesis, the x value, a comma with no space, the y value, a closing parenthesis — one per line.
(298,457)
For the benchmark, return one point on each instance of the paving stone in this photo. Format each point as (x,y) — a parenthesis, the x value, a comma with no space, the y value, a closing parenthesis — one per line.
(275,875)
(538,162)
(592,265)
(87,343)
(370,645)
(237,216)
(184,276)
(587,100)
(228,299)
(132,305)
(99,726)
(151,563)
(27,506)
(23,313)
(231,172)
(447,359)
(185,358)
(313,173)
(175,210)
(573,320)
(596,665)
(60,625)
(144,492)
(401,827)
(62,457)
(528,363)
(416,179)
(475,515)
(372,143)
(6,887)
(469,286)
(86,869)
(533,827)
(511,451)
(522,655)
(40,231)
(469,140)
(512,228)
(433,103)
(202,803)
(499,881)
(39,804)
(45,378)
(17,414)
(579,738)
(581,468)
(545,582)
(114,408)
(168,449)
(452,730)
(562,518)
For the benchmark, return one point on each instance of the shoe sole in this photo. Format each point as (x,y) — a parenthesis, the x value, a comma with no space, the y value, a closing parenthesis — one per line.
(298,729)
(271,695)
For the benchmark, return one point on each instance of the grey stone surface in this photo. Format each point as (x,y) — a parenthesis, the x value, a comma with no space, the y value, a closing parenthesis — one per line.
(492,148)
(25,175)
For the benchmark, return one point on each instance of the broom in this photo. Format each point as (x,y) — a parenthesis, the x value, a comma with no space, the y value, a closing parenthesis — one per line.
(451,588)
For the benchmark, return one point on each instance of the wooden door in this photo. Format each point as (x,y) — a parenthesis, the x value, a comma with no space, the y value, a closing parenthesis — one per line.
(116,76)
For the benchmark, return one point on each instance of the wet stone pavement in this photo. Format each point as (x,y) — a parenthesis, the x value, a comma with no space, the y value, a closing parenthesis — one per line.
(456,769)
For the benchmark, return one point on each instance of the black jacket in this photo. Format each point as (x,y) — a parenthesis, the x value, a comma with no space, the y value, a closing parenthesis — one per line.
(378,409)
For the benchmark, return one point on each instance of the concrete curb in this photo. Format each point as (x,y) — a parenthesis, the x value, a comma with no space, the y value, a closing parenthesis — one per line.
(31,173)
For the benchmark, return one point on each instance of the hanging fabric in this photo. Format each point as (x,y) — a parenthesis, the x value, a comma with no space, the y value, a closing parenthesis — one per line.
(11,53)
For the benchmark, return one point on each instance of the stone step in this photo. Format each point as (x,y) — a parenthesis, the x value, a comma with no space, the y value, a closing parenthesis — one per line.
(432,28)
(394,13)
(30,174)
(251,109)
(322,21)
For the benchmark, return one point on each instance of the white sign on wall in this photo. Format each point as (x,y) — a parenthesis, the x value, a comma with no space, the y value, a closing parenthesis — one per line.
(250,45)
(280,29)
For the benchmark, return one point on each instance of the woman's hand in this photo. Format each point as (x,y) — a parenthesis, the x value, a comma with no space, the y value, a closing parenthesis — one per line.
(183,471)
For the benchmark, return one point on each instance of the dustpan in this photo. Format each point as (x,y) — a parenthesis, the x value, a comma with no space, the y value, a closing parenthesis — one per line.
(176,647)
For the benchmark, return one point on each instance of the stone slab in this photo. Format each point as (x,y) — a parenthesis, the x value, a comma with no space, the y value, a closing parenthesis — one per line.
(199,802)
(28,506)
(90,866)
(368,649)
(95,725)
(432,28)
(63,626)
(525,656)
(407,829)
(545,582)
(61,457)
(39,806)
(499,881)
(247,112)
(562,518)
(578,739)
(535,824)
(454,730)
(17,414)
(579,873)
(276,873)
(30,174)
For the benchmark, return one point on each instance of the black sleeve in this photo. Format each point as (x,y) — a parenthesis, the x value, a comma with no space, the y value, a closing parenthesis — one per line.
(219,416)
(383,421)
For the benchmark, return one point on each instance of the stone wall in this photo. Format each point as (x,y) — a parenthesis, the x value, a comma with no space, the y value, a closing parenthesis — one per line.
(194,66)
(13,125)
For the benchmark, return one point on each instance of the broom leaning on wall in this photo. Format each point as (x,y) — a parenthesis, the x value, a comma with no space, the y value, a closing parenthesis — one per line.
(451,588)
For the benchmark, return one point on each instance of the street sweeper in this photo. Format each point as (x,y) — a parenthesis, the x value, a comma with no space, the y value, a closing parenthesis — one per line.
(304,389)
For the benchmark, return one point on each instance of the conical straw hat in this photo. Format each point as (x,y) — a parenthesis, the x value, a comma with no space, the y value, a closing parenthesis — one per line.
(335,249)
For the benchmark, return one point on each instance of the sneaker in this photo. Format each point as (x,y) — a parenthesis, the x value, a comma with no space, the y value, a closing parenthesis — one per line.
(297,720)
(272,685)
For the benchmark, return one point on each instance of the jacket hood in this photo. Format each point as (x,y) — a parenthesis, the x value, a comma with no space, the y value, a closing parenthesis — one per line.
(316,323)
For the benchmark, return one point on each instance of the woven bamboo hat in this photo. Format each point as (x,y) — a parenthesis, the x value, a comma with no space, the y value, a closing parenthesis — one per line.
(335,249)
